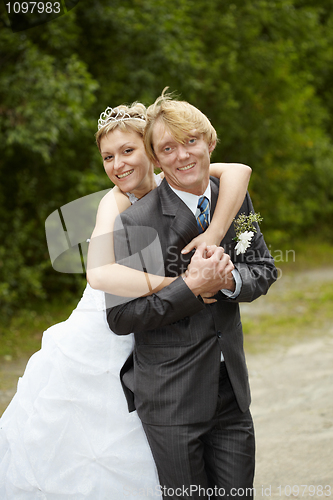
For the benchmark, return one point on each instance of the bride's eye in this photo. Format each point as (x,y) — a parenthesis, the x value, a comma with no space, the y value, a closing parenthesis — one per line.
(108,158)
(128,150)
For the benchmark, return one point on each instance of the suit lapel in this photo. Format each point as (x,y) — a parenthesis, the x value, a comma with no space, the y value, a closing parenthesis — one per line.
(178,227)
(182,220)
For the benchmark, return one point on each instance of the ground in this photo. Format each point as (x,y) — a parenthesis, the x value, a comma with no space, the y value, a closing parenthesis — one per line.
(292,394)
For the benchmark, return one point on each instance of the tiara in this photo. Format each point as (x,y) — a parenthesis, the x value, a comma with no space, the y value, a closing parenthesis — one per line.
(120,116)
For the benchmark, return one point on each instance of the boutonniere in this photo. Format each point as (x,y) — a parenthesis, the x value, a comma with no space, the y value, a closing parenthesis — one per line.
(245,230)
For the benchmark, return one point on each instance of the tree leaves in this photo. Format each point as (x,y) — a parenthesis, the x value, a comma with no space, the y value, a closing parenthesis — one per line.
(261,70)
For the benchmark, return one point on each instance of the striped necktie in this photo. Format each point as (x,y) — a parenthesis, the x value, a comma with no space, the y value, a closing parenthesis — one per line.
(203,217)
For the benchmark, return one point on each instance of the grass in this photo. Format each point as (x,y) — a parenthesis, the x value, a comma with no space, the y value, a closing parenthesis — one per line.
(302,256)
(301,310)
(299,305)
(22,336)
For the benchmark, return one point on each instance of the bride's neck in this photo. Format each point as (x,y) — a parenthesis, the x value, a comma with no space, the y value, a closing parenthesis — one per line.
(148,185)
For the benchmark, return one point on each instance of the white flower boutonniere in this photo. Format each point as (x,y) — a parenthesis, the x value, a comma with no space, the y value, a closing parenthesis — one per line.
(245,231)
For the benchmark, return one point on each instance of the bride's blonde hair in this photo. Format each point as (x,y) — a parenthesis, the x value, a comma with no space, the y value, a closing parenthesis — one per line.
(126,118)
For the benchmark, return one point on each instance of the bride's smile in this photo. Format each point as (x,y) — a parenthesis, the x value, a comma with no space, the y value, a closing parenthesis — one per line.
(126,174)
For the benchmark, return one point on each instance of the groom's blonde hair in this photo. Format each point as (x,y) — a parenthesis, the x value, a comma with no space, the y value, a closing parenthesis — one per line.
(180,118)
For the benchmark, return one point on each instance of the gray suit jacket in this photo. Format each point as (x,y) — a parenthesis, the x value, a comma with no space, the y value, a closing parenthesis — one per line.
(178,339)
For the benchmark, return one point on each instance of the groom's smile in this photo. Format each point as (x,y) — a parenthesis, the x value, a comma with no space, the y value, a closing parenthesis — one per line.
(191,165)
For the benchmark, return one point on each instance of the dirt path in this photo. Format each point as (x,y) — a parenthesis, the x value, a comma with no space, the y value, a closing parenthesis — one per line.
(292,407)
(292,394)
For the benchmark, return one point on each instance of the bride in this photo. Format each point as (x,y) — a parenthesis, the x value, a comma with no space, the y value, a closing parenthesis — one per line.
(67,433)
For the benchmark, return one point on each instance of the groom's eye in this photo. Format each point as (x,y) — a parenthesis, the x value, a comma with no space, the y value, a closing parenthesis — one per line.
(107,158)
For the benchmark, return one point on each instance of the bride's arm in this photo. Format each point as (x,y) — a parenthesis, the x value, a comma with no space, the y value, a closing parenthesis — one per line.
(103,273)
(234,180)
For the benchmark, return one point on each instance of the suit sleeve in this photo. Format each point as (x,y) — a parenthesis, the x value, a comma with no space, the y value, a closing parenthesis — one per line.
(171,304)
(256,267)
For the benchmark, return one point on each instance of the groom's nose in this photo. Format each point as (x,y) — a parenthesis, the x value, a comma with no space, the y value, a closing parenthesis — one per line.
(182,152)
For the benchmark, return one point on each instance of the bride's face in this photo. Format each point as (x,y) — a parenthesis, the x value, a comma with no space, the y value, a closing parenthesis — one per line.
(126,163)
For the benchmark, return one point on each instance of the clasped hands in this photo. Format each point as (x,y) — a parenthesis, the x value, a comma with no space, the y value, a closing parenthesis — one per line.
(209,271)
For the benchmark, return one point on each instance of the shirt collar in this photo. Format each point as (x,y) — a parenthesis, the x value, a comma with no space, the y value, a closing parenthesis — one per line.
(191,200)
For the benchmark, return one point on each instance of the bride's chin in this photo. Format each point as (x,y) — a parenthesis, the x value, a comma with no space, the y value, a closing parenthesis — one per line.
(127,187)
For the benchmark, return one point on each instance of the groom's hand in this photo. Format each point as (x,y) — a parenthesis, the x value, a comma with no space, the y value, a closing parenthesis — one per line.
(228,282)
(209,271)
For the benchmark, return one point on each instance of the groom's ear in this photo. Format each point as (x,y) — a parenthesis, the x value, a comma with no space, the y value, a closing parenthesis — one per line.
(157,164)
(211,146)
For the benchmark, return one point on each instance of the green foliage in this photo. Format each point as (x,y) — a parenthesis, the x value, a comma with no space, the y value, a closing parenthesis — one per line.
(267,109)
(44,109)
(261,70)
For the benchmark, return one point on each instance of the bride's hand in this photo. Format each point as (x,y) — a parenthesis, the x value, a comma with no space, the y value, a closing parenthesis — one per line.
(207,298)
(210,237)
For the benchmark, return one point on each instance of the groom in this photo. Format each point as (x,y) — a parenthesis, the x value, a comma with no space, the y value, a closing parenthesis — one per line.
(187,377)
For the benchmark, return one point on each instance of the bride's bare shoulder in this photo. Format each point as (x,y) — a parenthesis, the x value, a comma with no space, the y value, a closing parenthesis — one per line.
(114,198)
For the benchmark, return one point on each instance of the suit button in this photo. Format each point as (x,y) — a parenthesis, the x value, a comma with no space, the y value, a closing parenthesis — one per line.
(219,334)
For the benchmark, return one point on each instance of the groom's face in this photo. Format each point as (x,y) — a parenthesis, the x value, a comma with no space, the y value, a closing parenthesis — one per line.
(185,166)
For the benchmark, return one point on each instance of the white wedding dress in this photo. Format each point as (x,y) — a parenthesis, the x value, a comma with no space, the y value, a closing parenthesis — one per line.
(67,434)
